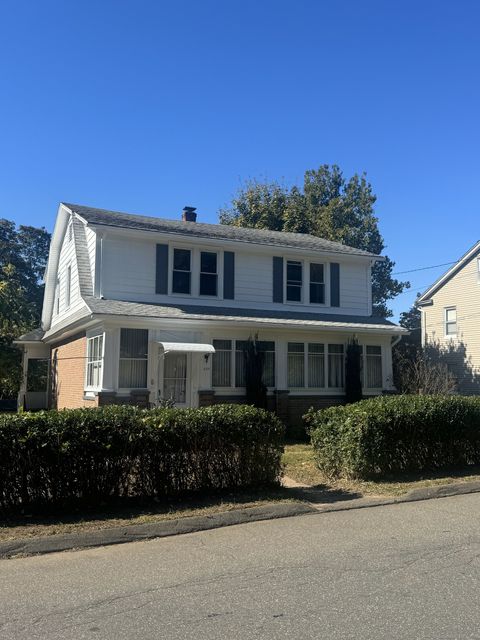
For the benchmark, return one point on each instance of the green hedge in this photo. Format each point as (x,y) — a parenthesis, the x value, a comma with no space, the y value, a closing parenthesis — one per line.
(93,455)
(396,433)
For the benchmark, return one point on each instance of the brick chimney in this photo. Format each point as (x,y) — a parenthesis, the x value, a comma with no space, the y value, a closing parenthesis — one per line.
(189,215)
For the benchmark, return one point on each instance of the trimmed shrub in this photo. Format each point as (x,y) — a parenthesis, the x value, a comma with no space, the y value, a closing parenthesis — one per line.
(396,433)
(95,455)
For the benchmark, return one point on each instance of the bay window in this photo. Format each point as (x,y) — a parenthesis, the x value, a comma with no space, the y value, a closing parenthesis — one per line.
(133,359)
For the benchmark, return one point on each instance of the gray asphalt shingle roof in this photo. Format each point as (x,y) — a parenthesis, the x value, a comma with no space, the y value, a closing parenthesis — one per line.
(201,312)
(214,231)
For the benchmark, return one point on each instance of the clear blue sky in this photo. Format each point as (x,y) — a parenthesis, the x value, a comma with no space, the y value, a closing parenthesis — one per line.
(147,106)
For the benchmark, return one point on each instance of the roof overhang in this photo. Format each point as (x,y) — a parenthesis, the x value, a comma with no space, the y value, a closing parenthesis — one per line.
(186,347)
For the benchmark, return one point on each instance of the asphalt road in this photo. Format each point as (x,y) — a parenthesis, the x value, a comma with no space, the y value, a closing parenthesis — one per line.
(402,571)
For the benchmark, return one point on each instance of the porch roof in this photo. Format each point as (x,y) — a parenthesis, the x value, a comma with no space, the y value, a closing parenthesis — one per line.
(232,314)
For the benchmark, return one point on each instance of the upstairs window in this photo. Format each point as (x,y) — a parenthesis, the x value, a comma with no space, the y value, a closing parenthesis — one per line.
(94,362)
(208,274)
(181,277)
(451,321)
(317,283)
(294,281)
(133,359)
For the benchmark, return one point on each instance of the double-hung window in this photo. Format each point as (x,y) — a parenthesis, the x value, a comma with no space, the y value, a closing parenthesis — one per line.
(294,281)
(306,365)
(133,359)
(94,362)
(373,378)
(222,363)
(451,321)
(336,366)
(208,274)
(182,271)
(317,283)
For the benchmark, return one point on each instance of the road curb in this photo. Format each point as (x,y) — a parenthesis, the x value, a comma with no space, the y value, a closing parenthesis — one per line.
(131,533)
(147,531)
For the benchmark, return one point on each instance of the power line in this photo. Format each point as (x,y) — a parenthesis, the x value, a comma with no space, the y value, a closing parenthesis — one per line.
(433,266)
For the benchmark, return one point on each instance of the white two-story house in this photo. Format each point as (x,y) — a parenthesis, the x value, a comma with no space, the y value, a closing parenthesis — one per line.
(140,308)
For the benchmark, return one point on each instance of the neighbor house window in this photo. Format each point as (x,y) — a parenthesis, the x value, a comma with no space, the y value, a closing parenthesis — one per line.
(268,349)
(451,321)
(68,286)
(133,359)
(306,365)
(208,273)
(222,363)
(373,378)
(181,276)
(294,281)
(317,283)
(94,362)
(336,366)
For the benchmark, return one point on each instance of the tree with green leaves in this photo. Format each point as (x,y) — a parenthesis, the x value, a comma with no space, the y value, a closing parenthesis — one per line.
(329,206)
(23,259)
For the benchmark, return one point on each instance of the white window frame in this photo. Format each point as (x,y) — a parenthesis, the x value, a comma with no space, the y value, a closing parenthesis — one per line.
(171,270)
(233,358)
(365,357)
(325,280)
(126,389)
(327,355)
(100,361)
(232,363)
(306,354)
(302,282)
(200,272)
(448,322)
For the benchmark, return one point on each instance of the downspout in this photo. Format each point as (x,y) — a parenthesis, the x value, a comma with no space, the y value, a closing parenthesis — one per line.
(396,340)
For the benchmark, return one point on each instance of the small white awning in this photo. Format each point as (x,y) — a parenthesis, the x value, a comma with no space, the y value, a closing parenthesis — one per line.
(186,347)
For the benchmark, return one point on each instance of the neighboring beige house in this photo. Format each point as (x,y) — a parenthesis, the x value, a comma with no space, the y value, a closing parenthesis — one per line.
(450,311)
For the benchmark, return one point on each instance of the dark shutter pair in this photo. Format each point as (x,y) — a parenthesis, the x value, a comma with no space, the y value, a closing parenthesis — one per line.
(161,272)
(278,282)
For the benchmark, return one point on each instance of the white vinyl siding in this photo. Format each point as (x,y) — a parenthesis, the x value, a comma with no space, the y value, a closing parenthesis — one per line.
(68,286)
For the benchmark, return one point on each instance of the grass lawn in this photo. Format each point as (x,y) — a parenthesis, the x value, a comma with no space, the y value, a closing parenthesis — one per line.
(29,525)
(300,466)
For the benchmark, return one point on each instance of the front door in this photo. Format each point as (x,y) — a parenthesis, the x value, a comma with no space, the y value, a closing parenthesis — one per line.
(175,378)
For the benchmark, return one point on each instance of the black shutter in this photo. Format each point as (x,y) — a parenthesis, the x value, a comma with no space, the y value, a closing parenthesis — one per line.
(161,271)
(228,275)
(277,279)
(334,284)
